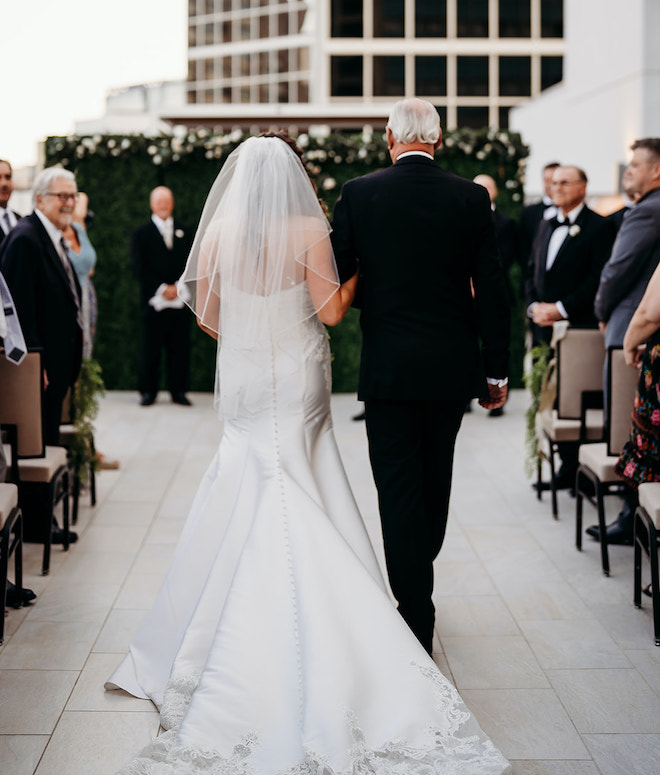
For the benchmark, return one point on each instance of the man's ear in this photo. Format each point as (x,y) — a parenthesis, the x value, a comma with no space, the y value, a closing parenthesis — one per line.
(390,138)
(438,142)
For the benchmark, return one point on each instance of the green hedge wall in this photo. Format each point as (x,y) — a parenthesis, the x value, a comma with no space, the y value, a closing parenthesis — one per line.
(118,173)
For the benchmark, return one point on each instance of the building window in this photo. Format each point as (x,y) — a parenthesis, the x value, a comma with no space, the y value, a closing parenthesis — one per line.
(264,96)
(226,5)
(209,6)
(283,24)
(504,118)
(192,70)
(515,76)
(283,61)
(283,91)
(515,20)
(303,91)
(389,76)
(552,19)
(192,10)
(301,20)
(192,36)
(264,26)
(472,19)
(226,32)
(346,19)
(246,29)
(245,65)
(226,67)
(552,71)
(192,97)
(209,96)
(431,19)
(226,94)
(263,63)
(346,76)
(209,69)
(245,94)
(472,117)
(209,34)
(388,19)
(472,76)
(431,76)
(442,112)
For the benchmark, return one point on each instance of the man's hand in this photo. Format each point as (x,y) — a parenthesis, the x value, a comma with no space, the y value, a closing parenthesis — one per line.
(545,314)
(602,327)
(496,397)
(170,292)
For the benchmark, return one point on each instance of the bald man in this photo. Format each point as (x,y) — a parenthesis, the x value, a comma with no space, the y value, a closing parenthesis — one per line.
(159,250)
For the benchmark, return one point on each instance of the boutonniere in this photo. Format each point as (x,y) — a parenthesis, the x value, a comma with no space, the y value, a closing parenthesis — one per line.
(574,230)
(179,233)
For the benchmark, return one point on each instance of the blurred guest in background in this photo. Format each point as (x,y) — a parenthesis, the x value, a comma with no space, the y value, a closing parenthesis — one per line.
(8,218)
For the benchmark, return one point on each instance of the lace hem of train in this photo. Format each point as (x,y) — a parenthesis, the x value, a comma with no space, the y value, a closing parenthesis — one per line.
(447,752)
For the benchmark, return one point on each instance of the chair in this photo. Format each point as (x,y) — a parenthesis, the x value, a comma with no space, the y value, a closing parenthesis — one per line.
(577,415)
(40,472)
(647,538)
(11,542)
(595,475)
(67,434)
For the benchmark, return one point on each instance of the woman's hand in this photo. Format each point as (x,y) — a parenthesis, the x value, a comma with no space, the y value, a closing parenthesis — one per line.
(634,355)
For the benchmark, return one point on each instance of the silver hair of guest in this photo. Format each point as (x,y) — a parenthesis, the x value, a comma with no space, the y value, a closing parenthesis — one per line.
(43,181)
(414,121)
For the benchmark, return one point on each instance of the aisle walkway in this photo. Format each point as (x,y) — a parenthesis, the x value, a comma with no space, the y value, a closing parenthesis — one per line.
(552,657)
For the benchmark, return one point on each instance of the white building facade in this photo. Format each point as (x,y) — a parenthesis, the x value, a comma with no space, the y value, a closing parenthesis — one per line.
(609,96)
(345,62)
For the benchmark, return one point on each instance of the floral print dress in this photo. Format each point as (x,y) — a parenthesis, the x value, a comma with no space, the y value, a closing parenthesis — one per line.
(640,458)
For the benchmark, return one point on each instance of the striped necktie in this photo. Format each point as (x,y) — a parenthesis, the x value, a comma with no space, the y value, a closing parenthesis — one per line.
(69,273)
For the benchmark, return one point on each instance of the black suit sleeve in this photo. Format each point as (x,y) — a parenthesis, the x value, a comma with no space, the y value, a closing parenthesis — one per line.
(21,256)
(343,238)
(491,296)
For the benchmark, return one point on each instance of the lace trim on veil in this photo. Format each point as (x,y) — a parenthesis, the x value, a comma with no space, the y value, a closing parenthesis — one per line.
(446,753)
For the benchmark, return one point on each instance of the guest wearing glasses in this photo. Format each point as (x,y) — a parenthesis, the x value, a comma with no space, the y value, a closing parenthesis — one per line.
(563,271)
(43,283)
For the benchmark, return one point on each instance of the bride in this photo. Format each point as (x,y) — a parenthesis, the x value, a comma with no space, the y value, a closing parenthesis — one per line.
(273,647)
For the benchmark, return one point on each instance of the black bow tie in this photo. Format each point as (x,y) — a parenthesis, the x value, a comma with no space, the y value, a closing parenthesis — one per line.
(555,223)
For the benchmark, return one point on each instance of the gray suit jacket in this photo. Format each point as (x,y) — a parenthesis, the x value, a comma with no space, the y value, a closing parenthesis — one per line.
(635,255)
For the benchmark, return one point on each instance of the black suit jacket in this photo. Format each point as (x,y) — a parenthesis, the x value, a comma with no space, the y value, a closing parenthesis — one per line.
(419,235)
(507,239)
(153,262)
(528,224)
(44,300)
(2,234)
(574,276)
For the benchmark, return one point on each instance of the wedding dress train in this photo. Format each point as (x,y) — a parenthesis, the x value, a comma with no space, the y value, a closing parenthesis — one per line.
(273,647)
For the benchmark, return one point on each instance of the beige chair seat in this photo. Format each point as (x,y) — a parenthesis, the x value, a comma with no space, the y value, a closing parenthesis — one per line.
(649,500)
(595,457)
(569,430)
(39,469)
(8,500)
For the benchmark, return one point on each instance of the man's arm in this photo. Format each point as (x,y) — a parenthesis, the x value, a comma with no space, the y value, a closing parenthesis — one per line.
(343,240)
(636,237)
(491,297)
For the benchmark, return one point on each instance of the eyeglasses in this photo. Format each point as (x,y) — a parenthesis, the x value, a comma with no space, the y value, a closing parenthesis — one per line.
(64,198)
(565,183)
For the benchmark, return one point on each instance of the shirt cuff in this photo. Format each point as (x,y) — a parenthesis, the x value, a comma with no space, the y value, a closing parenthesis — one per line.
(499,382)
(530,309)
(561,309)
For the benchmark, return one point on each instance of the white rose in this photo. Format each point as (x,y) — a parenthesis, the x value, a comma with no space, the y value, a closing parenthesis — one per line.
(574,230)
(178,233)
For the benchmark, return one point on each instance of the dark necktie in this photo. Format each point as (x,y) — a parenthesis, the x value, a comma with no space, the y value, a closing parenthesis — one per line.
(72,283)
(6,223)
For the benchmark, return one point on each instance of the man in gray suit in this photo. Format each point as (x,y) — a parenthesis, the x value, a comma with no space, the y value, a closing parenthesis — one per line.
(635,255)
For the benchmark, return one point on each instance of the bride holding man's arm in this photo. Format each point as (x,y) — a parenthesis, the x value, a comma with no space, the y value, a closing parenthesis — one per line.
(273,647)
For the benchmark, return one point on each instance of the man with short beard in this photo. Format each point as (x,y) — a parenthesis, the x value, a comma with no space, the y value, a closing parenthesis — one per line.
(35,264)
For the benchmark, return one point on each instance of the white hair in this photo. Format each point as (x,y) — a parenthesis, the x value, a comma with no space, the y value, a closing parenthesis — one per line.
(44,179)
(414,121)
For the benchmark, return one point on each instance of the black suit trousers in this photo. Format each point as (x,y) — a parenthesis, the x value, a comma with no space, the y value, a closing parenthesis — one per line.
(167,330)
(411,447)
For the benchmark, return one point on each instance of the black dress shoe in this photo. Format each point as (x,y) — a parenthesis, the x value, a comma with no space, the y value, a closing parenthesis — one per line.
(496,412)
(361,416)
(147,399)
(616,533)
(57,536)
(180,398)
(17,597)
(565,480)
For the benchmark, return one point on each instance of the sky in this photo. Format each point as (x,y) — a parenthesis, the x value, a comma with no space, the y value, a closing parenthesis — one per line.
(61,57)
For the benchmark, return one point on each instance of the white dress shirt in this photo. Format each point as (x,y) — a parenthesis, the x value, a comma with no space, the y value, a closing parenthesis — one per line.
(7,215)
(166,228)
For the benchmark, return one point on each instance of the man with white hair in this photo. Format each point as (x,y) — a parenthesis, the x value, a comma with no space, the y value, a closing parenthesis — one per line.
(46,293)
(419,238)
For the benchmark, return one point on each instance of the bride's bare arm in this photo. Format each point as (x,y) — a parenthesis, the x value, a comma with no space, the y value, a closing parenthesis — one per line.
(330,301)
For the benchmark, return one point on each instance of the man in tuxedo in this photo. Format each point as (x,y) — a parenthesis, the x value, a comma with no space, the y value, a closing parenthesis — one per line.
(8,218)
(419,237)
(567,257)
(563,270)
(159,251)
(46,293)
(532,215)
(624,278)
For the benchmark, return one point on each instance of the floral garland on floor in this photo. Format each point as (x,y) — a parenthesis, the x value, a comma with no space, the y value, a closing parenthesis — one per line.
(533,379)
(87,392)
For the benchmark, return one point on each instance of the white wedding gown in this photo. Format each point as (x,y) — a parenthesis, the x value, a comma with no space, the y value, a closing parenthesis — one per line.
(273,647)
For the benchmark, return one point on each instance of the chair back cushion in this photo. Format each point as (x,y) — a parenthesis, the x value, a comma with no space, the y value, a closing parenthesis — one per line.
(20,402)
(580,361)
(622,381)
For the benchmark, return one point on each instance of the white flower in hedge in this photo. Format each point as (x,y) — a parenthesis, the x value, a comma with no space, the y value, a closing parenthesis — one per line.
(303,140)
(329,184)
(111,143)
(125,143)
(157,159)
(574,230)
(151,150)
(480,155)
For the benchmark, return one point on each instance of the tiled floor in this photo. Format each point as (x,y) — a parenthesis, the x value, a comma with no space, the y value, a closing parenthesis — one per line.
(552,657)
